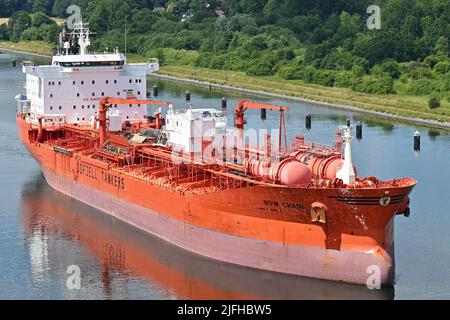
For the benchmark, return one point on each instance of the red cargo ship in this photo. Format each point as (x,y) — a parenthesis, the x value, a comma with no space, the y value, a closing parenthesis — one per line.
(189,180)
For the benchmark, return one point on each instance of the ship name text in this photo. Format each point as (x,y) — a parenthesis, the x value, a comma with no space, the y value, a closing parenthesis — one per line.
(286,205)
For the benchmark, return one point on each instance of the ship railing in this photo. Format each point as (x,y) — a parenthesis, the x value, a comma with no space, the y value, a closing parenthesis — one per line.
(317,148)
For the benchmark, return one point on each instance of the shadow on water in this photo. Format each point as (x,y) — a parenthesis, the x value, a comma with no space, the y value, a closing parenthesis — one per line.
(6,58)
(121,251)
(433,134)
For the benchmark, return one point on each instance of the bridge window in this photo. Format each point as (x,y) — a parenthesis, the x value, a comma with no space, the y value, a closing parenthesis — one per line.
(103,94)
(93,94)
(51,108)
(93,81)
(82,107)
(118,93)
(59,83)
(91,63)
(78,94)
(82,82)
(74,107)
(130,80)
(51,95)
(88,106)
(107,81)
(74,82)
(60,108)
(115,81)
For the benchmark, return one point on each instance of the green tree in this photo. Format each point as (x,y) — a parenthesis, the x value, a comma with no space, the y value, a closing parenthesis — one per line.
(241,22)
(442,67)
(441,47)
(260,68)
(43,6)
(343,79)
(349,26)
(105,15)
(244,6)
(31,34)
(38,19)
(50,32)
(4,32)
(434,101)
(199,10)
(143,20)
(7,7)
(19,22)
(273,10)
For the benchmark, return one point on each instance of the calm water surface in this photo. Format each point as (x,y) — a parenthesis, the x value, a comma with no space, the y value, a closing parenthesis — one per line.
(43,232)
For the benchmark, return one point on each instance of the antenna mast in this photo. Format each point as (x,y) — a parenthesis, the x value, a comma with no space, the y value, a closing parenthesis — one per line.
(82,32)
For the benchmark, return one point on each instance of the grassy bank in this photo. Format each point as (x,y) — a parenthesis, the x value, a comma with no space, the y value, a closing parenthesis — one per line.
(35,47)
(397,104)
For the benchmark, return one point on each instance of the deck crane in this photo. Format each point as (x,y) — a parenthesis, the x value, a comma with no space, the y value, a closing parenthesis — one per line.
(106,103)
(243,105)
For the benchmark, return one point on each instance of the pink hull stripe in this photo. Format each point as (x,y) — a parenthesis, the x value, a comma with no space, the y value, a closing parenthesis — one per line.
(346,266)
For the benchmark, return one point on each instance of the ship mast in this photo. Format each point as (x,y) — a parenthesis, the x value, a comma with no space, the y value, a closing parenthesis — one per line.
(82,32)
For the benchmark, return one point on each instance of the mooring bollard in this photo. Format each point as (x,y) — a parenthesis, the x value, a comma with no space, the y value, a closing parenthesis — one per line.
(155,90)
(188,95)
(224,103)
(359,131)
(263,114)
(417,141)
(308,120)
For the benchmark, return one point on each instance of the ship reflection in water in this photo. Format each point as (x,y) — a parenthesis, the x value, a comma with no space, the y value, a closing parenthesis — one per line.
(58,228)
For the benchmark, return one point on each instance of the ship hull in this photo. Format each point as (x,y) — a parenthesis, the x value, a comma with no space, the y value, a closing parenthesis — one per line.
(259,227)
(343,265)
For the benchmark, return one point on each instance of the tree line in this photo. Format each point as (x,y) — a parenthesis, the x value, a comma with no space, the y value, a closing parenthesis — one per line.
(324,42)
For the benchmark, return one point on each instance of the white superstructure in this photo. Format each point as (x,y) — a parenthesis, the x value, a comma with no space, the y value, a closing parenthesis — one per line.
(70,89)
(186,130)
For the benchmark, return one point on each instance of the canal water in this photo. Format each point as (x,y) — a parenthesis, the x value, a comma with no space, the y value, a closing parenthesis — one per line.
(43,233)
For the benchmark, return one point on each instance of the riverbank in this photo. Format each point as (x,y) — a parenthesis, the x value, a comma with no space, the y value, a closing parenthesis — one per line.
(408,109)
(229,88)
(35,48)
